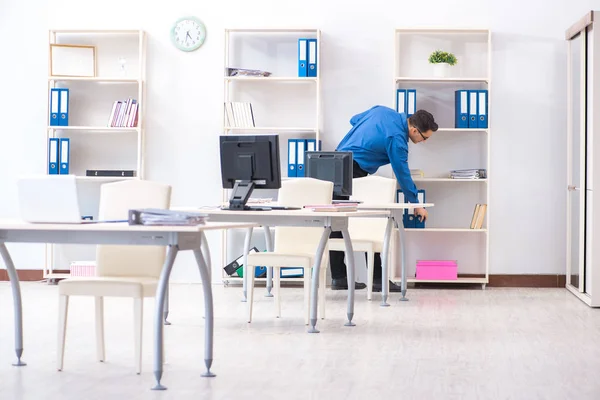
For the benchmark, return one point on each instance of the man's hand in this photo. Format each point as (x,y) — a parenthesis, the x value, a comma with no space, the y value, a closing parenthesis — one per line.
(421,213)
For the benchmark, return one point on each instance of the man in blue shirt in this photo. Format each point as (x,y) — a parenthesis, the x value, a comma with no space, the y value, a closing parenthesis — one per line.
(379,136)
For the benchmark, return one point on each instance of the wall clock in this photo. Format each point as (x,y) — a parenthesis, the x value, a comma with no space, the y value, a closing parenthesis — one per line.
(188,33)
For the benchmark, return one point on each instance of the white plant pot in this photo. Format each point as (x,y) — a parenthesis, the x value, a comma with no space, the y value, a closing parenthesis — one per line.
(441,70)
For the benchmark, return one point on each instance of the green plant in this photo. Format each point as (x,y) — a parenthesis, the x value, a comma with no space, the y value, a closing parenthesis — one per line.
(440,56)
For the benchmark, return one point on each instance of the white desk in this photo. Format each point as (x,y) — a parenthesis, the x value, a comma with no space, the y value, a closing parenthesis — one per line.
(330,221)
(176,238)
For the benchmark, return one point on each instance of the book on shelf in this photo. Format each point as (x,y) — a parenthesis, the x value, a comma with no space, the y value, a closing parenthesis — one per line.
(478,216)
(468,174)
(110,172)
(124,114)
(239,114)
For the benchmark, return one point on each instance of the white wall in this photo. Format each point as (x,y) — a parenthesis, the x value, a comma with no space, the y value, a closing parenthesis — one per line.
(185,98)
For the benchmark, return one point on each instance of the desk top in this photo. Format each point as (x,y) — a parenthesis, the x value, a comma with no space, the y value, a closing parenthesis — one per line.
(16,224)
(393,206)
(284,213)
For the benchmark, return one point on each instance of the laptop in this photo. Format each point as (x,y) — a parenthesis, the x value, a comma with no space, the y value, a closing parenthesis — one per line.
(50,199)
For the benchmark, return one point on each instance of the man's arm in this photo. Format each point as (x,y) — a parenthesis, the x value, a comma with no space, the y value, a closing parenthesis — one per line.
(398,155)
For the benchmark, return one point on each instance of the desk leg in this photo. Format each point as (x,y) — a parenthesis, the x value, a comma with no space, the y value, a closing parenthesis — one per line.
(205,248)
(18,307)
(208,312)
(166,308)
(385,264)
(269,242)
(246,272)
(403,259)
(161,291)
(350,274)
(314,290)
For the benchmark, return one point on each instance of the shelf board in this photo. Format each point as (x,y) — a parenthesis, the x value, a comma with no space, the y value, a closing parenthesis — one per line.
(459,280)
(94,79)
(443,30)
(272,30)
(274,129)
(290,79)
(97,32)
(94,128)
(446,230)
(447,180)
(434,79)
(105,178)
(453,130)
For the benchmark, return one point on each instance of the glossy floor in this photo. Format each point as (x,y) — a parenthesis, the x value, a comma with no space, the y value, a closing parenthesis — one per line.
(442,344)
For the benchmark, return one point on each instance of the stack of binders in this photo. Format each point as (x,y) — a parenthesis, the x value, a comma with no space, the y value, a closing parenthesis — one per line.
(307,57)
(409,219)
(406,101)
(471,109)
(59,107)
(296,150)
(58,156)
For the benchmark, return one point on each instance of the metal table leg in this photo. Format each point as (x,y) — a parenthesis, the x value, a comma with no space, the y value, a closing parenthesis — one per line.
(208,312)
(17,304)
(385,260)
(314,290)
(245,267)
(350,273)
(402,238)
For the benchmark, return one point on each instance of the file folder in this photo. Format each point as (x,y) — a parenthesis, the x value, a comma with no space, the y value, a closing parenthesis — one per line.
(64,107)
(472,108)
(300,149)
(312,57)
(482,108)
(411,102)
(292,158)
(302,57)
(53,155)
(64,155)
(54,104)
(461,110)
(401,100)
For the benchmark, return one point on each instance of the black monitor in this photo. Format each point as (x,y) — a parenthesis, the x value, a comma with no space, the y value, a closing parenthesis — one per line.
(249,162)
(332,166)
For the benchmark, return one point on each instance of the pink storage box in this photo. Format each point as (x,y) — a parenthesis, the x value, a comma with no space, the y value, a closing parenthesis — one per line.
(83,268)
(437,270)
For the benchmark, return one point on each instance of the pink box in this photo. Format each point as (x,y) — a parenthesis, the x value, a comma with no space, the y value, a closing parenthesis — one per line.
(437,270)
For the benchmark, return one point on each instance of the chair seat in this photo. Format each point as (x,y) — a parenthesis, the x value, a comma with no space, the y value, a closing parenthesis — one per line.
(110,286)
(275,259)
(357,245)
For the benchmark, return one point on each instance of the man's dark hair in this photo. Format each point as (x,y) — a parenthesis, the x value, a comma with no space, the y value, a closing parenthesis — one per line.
(423,121)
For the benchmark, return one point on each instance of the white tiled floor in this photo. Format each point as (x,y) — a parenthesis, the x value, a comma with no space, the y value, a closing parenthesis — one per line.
(442,344)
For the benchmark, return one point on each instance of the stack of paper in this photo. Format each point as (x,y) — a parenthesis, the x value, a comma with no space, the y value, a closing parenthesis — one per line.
(154,216)
(468,174)
(245,72)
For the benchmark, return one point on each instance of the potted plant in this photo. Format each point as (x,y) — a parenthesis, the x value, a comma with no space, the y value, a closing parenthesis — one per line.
(441,61)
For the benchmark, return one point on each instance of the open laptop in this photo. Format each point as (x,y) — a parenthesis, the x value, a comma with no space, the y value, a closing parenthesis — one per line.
(50,199)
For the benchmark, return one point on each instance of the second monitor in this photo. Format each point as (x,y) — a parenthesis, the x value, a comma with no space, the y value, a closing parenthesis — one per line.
(332,166)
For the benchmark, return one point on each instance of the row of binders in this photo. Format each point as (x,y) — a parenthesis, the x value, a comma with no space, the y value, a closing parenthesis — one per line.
(409,219)
(296,150)
(239,115)
(406,101)
(59,107)
(471,109)
(124,114)
(478,216)
(307,57)
(58,156)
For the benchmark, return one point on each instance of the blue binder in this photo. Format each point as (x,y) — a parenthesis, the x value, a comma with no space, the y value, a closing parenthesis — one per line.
(473,108)
(401,100)
(64,155)
(461,109)
(63,119)
(312,57)
(54,106)
(302,57)
(411,102)
(53,156)
(417,223)
(300,150)
(482,109)
(292,158)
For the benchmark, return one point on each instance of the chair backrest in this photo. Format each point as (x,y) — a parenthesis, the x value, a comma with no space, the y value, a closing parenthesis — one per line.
(116,199)
(297,193)
(371,190)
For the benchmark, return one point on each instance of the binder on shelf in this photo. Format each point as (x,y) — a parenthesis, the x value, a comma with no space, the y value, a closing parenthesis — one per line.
(300,150)
(302,58)
(312,57)
(292,158)
(53,156)
(54,106)
(472,108)
(63,105)
(64,155)
(411,102)
(482,108)
(409,219)
(417,222)
(461,109)
(401,100)
(311,145)
(291,272)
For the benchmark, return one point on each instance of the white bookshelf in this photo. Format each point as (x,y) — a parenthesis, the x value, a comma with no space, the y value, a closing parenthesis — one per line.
(94,144)
(447,233)
(282,104)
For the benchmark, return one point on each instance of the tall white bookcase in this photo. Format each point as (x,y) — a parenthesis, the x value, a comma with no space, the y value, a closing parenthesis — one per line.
(120,73)
(447,234)
(282,103)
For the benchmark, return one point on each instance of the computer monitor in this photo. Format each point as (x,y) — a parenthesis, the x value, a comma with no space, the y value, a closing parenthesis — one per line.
(332,166)
(249,162)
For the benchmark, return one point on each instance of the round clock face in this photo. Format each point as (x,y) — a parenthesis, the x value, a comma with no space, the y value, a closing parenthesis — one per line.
(188,33)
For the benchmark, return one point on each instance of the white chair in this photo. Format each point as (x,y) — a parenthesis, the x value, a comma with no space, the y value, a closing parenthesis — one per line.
(121,271)
(367,234)
(295,246)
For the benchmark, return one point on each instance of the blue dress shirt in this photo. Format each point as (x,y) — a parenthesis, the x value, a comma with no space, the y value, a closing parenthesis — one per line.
(379,136)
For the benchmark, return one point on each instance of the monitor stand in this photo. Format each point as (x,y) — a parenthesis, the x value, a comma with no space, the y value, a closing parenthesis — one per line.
(240,195)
